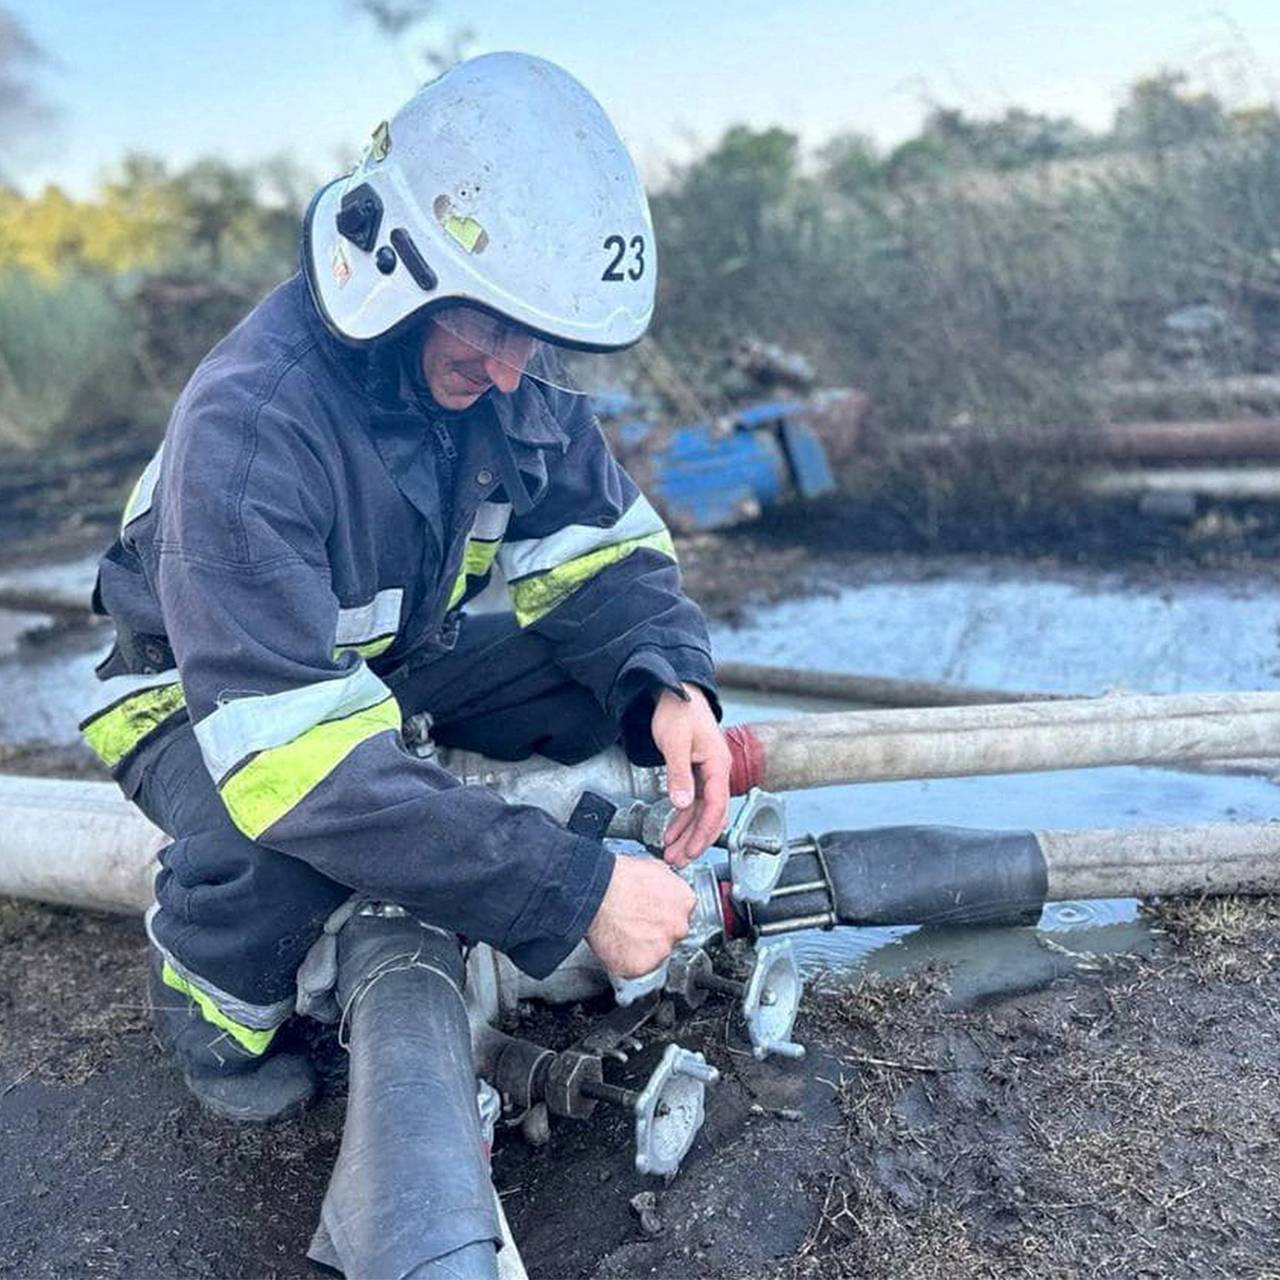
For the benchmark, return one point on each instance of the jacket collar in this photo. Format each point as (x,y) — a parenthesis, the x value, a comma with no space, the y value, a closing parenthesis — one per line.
(407,425)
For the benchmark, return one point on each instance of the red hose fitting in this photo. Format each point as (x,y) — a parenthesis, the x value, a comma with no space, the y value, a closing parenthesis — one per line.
(734,925)
(747,753)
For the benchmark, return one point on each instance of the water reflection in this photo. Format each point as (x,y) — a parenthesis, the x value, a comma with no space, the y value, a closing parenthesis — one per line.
(1089,915)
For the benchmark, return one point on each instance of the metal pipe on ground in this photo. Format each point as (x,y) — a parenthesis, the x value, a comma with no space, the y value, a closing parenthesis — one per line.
(1192,395)
(1133,441)
(1240,483)
(1239,438)
(881,691)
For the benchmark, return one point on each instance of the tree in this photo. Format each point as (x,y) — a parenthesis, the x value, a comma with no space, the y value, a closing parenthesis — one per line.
(138,221)
(924,158)
(395,19)
(951,142)
(1256,122)
(1161,113)
(729,231)
(216,198)
(760,162)
(725,199)
(1020,138)
(851,164)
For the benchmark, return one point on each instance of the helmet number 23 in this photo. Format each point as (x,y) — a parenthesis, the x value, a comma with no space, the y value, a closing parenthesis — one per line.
(617,245)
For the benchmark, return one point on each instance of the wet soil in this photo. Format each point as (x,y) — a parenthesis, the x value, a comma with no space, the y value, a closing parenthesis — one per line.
(1121,1121)
(59,502)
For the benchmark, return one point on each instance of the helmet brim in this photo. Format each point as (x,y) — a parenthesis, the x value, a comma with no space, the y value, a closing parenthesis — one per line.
(360,305)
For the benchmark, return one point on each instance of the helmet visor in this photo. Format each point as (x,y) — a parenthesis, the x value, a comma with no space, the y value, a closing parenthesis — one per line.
(500,351)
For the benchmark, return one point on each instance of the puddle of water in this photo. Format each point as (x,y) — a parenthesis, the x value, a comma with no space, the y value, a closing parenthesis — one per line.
(45,691)
(1094,914)
(984,964)
(975,627)
(66,584)
(1112,797)
(1002,628)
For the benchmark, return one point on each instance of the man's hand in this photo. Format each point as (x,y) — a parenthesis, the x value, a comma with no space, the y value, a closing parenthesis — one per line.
(697,759)
(645,912)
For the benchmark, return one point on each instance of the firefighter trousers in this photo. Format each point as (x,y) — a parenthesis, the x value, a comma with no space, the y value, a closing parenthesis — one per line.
(233,918)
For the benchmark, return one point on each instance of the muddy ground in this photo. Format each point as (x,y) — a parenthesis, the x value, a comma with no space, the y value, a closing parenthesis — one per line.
(1122,1120)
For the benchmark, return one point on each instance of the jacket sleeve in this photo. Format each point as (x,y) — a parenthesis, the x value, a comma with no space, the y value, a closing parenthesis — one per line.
(303,741)
(593,569)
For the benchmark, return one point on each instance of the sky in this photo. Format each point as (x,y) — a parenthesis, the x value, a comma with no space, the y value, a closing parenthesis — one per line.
(248,79)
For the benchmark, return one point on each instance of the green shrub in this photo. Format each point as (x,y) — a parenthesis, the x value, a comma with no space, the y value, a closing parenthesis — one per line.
(977,297)
(66,358)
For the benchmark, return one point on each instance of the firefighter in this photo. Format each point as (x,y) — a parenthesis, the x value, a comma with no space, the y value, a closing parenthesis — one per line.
(343,473)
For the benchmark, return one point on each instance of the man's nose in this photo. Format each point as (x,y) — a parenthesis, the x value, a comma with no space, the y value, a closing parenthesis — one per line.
(503,376)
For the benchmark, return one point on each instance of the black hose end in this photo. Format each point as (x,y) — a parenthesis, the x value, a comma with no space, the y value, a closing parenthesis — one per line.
(938,876)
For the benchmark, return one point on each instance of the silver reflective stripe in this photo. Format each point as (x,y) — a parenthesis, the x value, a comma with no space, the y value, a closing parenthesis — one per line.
(258,722)
(260,1017)
(109,692)
(520,559)
(380,617)
(491,521)
(140,499)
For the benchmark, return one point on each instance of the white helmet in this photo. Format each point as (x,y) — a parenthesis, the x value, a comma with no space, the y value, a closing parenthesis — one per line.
(501,185)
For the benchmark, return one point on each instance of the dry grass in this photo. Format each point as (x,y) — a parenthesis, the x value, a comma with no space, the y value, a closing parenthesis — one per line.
(1230,938)
(1123,1125)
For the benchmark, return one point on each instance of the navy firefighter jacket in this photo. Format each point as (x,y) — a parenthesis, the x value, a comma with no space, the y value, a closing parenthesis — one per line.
(307,529)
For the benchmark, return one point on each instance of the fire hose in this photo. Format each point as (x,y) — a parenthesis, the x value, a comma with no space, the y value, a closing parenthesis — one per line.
(769,884)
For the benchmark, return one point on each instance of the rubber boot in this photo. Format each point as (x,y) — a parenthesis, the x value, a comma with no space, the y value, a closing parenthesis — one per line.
(226,1078)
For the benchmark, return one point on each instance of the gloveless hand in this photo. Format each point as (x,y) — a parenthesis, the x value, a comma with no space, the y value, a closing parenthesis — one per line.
(644,914)
(697,759)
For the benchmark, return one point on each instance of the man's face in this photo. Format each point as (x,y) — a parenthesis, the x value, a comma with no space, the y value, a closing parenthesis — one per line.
(458,374)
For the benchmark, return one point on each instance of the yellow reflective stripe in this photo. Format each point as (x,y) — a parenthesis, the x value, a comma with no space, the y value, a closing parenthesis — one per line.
(371,623)
(248,1038)
(537,595)
(272,782)
(127,514)
(367,649)
(523,557)
(477,560)
(116,731)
